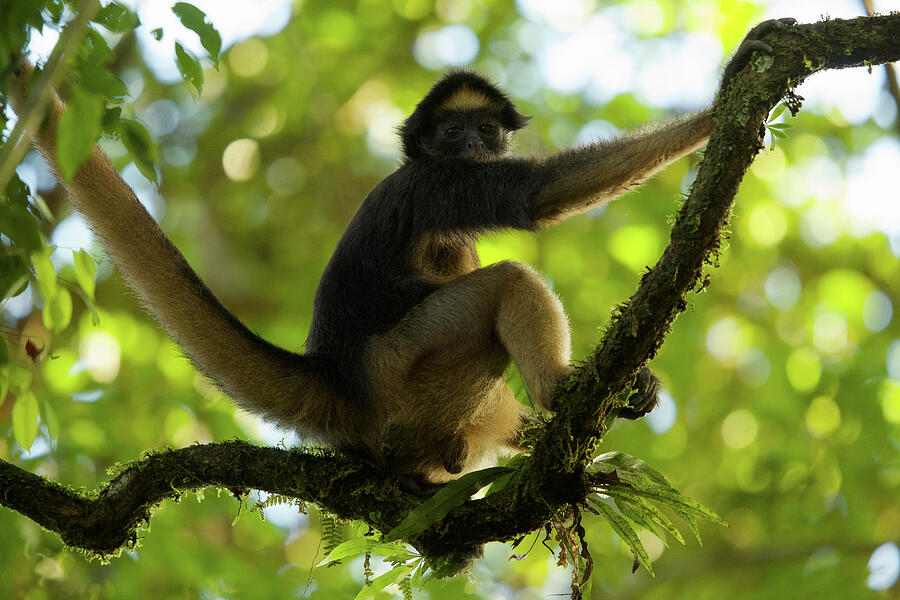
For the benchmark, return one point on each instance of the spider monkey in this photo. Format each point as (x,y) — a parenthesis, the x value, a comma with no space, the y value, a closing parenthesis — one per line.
(410,335)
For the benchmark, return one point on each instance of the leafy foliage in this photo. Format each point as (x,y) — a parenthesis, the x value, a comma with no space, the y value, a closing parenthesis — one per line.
(628,487)
(446,499)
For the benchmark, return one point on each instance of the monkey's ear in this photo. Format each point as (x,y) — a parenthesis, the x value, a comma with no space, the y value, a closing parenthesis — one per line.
(512,119)
(410,137)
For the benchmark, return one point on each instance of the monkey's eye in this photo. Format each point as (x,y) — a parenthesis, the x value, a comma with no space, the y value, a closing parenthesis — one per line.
(487,127)
(453,131)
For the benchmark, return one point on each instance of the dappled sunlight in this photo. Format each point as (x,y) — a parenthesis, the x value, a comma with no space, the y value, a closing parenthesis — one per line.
(101,356)
(450,46)
(739,429)
(884,567)
(240,160)
(823,417)
(872,189)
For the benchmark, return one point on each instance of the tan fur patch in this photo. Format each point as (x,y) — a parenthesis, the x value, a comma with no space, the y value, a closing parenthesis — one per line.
(441,258)
(439,371)
(465,99)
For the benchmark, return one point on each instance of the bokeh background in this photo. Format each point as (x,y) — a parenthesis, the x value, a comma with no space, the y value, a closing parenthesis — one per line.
(782,402)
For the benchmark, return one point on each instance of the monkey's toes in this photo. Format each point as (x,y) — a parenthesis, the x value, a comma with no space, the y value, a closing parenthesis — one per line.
(644,396)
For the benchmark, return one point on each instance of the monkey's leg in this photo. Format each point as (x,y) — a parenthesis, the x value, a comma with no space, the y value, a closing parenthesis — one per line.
(440,370)
(464,333)
(534,329)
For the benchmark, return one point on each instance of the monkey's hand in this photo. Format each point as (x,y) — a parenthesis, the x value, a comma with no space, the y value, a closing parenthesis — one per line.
(750,44)
(644,396)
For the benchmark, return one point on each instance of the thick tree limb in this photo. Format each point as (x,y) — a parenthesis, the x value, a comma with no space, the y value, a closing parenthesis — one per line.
(553,479)
(109,522)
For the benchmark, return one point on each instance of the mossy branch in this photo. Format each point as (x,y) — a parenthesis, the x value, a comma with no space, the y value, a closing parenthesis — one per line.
(553,478)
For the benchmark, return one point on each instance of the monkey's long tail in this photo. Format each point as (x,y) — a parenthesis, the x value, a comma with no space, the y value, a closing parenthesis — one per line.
(294,390)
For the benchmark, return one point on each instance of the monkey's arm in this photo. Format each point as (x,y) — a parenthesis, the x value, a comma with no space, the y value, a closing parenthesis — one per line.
(576,180)
(581,178)
(263,378)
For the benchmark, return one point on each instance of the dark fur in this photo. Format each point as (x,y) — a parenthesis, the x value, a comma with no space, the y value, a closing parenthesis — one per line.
(421,123)
(370,282)
(415,233)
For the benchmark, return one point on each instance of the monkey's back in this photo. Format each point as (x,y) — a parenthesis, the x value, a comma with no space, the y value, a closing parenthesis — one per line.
(368,284)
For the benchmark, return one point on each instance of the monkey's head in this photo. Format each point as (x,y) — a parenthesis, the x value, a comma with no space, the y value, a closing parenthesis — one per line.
(462,116)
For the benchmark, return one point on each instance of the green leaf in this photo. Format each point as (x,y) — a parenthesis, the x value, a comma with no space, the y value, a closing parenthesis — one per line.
(691,523)
(659,518)
(94,48)
(48,416)
(189,66)
(43,210)
(405,586)
(116,18)
(25,420)
(97,79)
(79,128)
(91,305)
(20,226)
(515,463)
(13,276)
(55,8)
(384,580)
(624,531)
(44,272)
(111,119)
(17,192)
(446,499)
(586,588)
(416,580)
(139,144)
(157,33)
(19,379)
(776,112)
(85,272)
(195,19)
(636,515)
(676,500)
(517,384)
(359,546)
(626,462)
(57,313)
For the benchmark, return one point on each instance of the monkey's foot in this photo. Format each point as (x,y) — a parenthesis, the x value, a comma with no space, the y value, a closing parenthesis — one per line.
(752,42)
(644,396)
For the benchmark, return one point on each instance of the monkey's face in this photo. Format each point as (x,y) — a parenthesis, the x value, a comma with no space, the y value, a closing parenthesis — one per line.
(474,135)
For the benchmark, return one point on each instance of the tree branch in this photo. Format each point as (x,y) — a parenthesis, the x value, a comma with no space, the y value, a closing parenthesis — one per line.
(553,479)
(108,522)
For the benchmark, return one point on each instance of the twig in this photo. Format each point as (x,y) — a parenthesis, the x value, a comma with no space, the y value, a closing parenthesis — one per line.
(893,87)
(12,152)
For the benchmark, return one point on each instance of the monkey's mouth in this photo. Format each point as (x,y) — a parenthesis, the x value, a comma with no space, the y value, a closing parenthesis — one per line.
(483,156)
